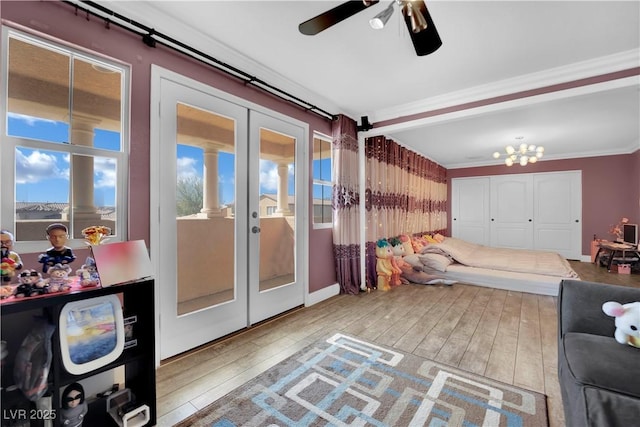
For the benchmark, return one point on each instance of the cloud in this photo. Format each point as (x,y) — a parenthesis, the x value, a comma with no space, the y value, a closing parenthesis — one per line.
(104,169)
(186,168)
(268,175)
(38,166)
(29,120)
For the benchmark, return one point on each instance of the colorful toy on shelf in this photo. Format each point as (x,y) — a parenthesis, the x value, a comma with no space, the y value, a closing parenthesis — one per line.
(74,406)
(30,284)
(96,234)
(88,273)
(384,267)
(58,253)
(11,261)
(58,280)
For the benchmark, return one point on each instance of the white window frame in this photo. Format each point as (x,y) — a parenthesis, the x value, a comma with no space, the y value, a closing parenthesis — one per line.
(329,224)
(9,143)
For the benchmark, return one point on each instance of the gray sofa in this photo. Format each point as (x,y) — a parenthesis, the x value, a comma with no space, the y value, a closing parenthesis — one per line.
(599,378)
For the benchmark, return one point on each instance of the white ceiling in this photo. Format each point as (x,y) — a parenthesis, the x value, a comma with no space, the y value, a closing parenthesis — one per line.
(490,49)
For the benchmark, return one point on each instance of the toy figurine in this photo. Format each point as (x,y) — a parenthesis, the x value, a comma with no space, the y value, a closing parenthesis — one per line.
(384,269)
(58,280)
(73,408)
(88,273)
(30,284)
(58,253)
(11,261)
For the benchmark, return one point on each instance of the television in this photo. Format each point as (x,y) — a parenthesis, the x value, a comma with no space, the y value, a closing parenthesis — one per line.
(91,333)
(630,234)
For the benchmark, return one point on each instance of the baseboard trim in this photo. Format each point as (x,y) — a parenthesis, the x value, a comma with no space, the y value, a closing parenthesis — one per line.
(322,294)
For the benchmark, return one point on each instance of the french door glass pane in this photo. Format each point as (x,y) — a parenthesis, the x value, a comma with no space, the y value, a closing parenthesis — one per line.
(205,196)
(277,209)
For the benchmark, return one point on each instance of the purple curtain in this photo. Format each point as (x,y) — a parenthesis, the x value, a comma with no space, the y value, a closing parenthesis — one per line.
(345,204)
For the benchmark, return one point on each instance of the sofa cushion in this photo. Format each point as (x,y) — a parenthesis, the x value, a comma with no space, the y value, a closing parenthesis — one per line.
(602,362)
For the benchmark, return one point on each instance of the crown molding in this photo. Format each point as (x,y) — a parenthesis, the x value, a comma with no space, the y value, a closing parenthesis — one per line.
(580,70)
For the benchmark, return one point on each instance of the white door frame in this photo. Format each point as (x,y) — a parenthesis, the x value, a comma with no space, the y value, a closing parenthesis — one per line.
(157,75)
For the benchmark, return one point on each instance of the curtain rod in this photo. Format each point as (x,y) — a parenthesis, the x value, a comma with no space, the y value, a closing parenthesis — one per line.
(150,37)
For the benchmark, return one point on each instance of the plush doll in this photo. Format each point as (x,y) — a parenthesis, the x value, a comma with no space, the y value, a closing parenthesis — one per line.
(58,280)
(30,284)
(11,261)
(398,261)
(406,242)
(627,321)
(88,273)
(384,268)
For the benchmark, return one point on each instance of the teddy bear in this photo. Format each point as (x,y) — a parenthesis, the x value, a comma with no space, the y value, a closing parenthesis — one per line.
(30,284)
(58,280)
(627,321)
(384,268)
(88,273)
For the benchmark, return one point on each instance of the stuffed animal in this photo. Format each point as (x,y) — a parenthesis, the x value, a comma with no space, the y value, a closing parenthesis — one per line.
(384,268)
(398,261)
(627,321)
(88,273)
(30,284)
(58,280)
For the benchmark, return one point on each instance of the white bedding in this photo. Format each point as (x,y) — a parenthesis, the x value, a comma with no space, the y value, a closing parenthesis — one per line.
(511,269)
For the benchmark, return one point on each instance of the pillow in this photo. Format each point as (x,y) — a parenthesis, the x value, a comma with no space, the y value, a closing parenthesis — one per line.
(417,244)
(430,239)
(438,238)
(435,261)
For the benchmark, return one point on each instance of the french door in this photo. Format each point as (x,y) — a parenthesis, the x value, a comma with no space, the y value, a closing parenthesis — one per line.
(230,213)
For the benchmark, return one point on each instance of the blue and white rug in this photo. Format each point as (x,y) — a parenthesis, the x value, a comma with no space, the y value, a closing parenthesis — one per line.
(345,381)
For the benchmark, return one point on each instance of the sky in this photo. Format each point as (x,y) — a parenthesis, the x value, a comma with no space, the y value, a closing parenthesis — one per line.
(43,175)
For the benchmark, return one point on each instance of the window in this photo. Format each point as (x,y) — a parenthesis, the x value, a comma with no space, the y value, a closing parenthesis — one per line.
(64,141)
(322,184)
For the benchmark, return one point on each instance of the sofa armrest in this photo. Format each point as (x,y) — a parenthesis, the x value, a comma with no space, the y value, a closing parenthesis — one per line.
(580,306)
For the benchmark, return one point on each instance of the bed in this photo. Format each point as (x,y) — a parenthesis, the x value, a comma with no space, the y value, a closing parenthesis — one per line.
(538,272)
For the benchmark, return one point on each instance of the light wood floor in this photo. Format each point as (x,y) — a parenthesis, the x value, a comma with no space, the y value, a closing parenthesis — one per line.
(508,336)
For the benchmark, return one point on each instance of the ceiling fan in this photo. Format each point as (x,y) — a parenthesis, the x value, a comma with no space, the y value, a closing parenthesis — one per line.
(421,28)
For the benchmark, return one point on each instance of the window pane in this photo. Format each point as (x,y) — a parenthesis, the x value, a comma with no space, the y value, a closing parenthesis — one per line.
(322,212)
(42,191)
(321,159)
(96,103)
(38,91)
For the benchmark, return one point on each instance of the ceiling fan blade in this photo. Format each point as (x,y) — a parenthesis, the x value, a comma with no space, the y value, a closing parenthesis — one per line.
(331,17)
(426,41)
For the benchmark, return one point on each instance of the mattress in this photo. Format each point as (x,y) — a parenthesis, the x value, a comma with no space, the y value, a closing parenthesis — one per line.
(508,280)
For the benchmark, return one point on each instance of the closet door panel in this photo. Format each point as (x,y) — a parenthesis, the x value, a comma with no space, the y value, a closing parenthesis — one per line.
(558,213)
(512,211)
(470,209)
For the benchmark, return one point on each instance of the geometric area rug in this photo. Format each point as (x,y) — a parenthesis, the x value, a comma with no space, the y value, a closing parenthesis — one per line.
(345,381)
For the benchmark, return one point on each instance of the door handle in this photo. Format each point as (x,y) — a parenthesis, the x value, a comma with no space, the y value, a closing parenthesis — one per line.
(255,229)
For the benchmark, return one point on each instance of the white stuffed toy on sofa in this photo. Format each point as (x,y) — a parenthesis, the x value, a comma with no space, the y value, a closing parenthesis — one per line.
(627,321)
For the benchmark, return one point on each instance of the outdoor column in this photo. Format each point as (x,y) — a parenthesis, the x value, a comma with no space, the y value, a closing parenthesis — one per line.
(283,196)
(210,196)
(82,133)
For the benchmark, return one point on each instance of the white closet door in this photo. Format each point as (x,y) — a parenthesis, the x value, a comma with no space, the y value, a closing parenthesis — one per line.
(512,211)
(558,213)
(470,209)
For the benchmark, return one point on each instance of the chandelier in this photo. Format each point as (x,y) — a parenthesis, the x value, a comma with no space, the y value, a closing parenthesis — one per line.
(524,154)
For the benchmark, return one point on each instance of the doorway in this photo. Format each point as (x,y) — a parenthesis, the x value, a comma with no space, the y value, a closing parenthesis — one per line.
(230,197)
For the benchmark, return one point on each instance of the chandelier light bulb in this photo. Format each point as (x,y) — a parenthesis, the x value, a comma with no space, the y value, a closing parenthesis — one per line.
(523,154)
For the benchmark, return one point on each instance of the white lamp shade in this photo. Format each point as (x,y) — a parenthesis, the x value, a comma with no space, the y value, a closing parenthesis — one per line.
(508,161)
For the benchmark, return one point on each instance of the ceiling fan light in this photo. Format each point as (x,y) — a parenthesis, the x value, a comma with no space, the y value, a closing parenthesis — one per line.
(418,23)
(380,20)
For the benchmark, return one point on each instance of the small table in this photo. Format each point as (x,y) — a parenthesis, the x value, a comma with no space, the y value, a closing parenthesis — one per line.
(630,253)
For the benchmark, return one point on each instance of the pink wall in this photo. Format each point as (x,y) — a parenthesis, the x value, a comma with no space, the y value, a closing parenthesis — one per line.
(59,20)
(610,189)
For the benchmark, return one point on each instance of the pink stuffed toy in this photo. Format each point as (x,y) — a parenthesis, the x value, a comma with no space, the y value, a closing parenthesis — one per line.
(627,321)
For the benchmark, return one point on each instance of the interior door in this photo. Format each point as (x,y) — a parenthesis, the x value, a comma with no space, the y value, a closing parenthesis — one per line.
(512,211)
(470,209)
(276,206)
(558,213)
